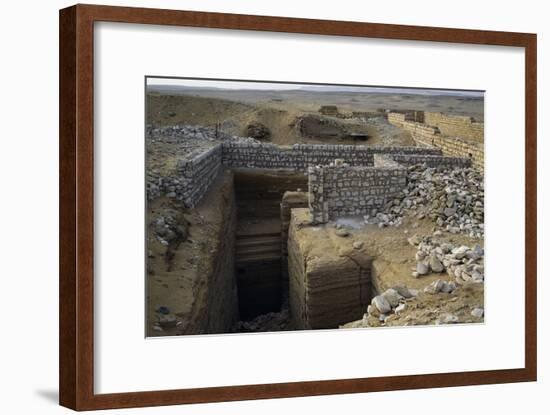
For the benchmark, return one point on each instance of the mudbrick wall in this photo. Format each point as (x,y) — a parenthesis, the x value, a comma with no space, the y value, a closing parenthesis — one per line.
(454,125)
(336,191)
(431,137)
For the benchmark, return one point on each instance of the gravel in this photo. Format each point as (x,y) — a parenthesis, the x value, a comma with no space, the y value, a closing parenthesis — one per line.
(452,198)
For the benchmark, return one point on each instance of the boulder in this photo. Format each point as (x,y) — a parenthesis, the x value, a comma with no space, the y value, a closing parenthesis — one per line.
(422,268)
(436,265)
(381,304)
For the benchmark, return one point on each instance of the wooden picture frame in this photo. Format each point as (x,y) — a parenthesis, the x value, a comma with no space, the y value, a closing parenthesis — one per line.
(76,178)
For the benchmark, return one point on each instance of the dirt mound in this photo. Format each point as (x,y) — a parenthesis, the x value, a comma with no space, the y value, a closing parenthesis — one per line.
(258,131)
(187,109)
(320,127)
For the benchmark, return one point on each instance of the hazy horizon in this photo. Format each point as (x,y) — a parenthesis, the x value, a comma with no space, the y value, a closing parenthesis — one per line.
(178,84)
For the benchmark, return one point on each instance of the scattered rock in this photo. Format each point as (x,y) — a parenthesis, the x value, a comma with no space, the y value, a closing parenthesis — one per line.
(449,212)
(414,240)
(381,304)
(404,291)
(392,297)
(342,232)
(400,308)
(422,268)
(447,319)
(478,312)
(434,287)
(163,310)
(358,244)
(167,320)
(435,264)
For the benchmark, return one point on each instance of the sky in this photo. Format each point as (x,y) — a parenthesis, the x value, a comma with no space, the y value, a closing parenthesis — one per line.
(198,83)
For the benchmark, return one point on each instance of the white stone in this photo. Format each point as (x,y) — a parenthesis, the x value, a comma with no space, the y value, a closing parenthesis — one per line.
(436,265)
(381,304)
(400,308)
(392,297)
(422,268)
(478,312)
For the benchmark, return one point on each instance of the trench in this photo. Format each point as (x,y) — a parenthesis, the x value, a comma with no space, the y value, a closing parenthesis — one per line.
(262,283)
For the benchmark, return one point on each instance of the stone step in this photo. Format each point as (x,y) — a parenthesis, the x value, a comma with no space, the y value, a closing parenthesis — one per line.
(258,250)
(260,241)
(263,258)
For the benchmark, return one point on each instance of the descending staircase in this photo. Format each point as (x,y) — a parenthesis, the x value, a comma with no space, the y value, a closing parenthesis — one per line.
(258,240)
(258,248)
(258,266)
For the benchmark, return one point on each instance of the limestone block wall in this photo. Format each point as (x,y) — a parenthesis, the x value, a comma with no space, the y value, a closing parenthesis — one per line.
(453,125)
(455,147)
(195,174)
(396,118)
(431,137)
(336,191)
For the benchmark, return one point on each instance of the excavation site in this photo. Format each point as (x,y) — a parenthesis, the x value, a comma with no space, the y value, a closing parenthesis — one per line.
(312,208)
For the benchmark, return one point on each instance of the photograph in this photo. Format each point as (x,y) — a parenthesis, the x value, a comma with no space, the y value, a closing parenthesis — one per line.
(275,206)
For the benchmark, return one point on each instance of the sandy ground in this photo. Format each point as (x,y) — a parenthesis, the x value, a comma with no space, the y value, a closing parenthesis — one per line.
(235,110)
(175,271)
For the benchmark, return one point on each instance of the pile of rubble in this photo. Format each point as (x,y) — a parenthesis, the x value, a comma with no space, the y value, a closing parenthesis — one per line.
(192,135)
(388,133)
(178,142)
(452,198)
(464,264)
(274,321)
(393,300)
(179,134)
(170,227)
(440,302)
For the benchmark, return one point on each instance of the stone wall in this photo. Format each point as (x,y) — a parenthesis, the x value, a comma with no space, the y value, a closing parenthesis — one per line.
(431,161)
(400,116)
(195,174)
(336,191)
(301,156)
(454,147)
(431,137)
(197,171)
(457,126)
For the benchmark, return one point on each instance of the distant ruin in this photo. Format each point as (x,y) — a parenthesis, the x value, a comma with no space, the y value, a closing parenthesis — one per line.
(331,110)
(455,135)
